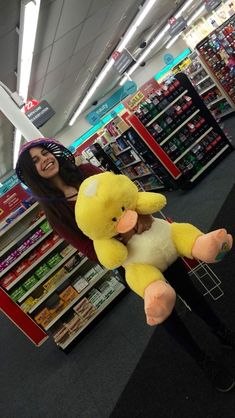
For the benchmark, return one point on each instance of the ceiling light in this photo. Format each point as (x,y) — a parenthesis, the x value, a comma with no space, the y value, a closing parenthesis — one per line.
(183,8)
(136,23)
(196,14)
(172,41)
(28,27)
(129,34)
(17,141)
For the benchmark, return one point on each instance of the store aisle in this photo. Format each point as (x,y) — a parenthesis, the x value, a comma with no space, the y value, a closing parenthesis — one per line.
(39,382)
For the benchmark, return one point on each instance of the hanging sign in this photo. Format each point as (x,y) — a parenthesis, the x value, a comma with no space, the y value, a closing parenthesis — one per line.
(40,114)
(30,104)
(123,61)
(212,4)
(176,26)
(95,116)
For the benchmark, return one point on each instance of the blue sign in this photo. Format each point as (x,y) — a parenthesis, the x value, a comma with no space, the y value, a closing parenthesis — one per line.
(8,184)
(95,116)
(168,59)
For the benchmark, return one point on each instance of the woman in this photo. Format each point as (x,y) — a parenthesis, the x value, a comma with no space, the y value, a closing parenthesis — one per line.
(49,170)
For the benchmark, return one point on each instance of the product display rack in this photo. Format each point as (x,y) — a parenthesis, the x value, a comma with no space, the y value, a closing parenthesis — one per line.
(217,54)
(208,87)
(176,126)
(41,273)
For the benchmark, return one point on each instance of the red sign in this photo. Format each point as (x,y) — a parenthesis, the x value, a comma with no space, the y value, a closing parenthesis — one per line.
(11,200)
(142,94)
(116,55)
(30,104)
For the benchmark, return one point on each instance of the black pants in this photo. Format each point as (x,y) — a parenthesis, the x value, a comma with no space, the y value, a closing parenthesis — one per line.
(178,277)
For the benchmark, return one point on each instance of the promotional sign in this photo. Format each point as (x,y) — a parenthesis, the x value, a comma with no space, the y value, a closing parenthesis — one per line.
(8,184)
(123,60)
(212,4)
(30,104)
(176,26)
(128,88)
(40,114)
(11,200)
(147,88)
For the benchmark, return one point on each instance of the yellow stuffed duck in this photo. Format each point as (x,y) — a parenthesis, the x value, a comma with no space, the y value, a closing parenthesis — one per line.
(109,204)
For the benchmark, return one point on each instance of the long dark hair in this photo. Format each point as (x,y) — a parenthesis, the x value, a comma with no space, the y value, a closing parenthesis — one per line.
(51,199)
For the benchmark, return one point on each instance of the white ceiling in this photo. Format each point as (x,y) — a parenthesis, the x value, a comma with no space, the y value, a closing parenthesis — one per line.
(73,41)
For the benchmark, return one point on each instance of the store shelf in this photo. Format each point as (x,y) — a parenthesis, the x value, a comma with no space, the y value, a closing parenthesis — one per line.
(133,163)
(122,152)
(19,237)
(142,175)
(34,264)
(215,101)
(179,127)
(46,295)
(166,108)
(19,218)
(80,295)
(191,146)
(24,254)
(227,112)
(203,79)
(209,163)
(206,89)
(98,311)
(42,280)
(194,73)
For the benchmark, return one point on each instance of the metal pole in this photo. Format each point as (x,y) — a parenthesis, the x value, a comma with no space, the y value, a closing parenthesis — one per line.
(17,118)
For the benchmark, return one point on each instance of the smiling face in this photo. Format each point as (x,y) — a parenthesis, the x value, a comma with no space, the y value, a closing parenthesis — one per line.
(45,163)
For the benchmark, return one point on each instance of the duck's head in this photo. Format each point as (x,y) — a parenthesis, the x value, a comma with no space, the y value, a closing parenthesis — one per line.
(106,205)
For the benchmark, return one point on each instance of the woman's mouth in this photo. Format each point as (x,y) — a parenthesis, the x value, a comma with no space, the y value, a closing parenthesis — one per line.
(49,165)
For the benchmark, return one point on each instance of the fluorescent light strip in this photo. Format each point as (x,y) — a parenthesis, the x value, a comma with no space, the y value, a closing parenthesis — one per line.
(196,14)
(17,141)
(160,36)
(172,41)
(139,19)
(29,18)
(129,34)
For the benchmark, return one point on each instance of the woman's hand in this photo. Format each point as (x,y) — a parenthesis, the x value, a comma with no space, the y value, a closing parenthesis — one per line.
(143,224)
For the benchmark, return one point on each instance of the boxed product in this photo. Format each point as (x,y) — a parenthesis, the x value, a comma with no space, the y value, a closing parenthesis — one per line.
(68,249)
(54,238)
(75,323)
(95,297)
(55,259)
(113,282)
(52,282)
(32,257)
(68,294)
(36,236)
(7,279)
(80,284)
(85,309)
(90,274)
(42,271)
(72,262)
(30,282)
(55,305)
(28,304)
(105,289)
(61,334)
(45,227)
(43,317)
(45,247)
(21,267)
(24,246)
(17,293)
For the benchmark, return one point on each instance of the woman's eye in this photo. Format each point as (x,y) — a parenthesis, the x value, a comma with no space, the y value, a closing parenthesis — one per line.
(123,208)
(114,219)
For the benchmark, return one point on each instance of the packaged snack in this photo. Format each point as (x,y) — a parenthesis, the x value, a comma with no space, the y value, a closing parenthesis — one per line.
(68,294)
(43,316)
(80,284)
(7,279)
(45,227)
(17,293)
(72,262)
(45,247)
(42,271)
(21,267)
(28,304)
(30,282)
(31,258)
(68,249)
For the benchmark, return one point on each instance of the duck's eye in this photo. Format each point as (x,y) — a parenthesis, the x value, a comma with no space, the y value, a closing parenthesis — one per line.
(114,219)
(123,208)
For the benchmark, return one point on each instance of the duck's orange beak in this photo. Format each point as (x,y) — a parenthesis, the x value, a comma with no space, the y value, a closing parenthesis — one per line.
(127,222)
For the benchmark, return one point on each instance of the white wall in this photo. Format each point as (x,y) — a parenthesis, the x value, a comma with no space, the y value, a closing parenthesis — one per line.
(142,75)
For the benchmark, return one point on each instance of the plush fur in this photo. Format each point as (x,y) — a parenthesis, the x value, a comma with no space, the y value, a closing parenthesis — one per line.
(103,201)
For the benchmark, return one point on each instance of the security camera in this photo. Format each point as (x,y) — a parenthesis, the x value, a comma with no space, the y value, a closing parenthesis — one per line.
(143,44)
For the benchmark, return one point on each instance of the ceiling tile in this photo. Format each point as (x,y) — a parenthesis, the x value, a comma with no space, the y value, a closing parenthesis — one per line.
(104,41)
(73,13)
(47,25)
(9,16)
(54,78)
(40,65)
(35,90)
(9,50)
(77,61)
(63,49)
(97,5)
(91,28)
